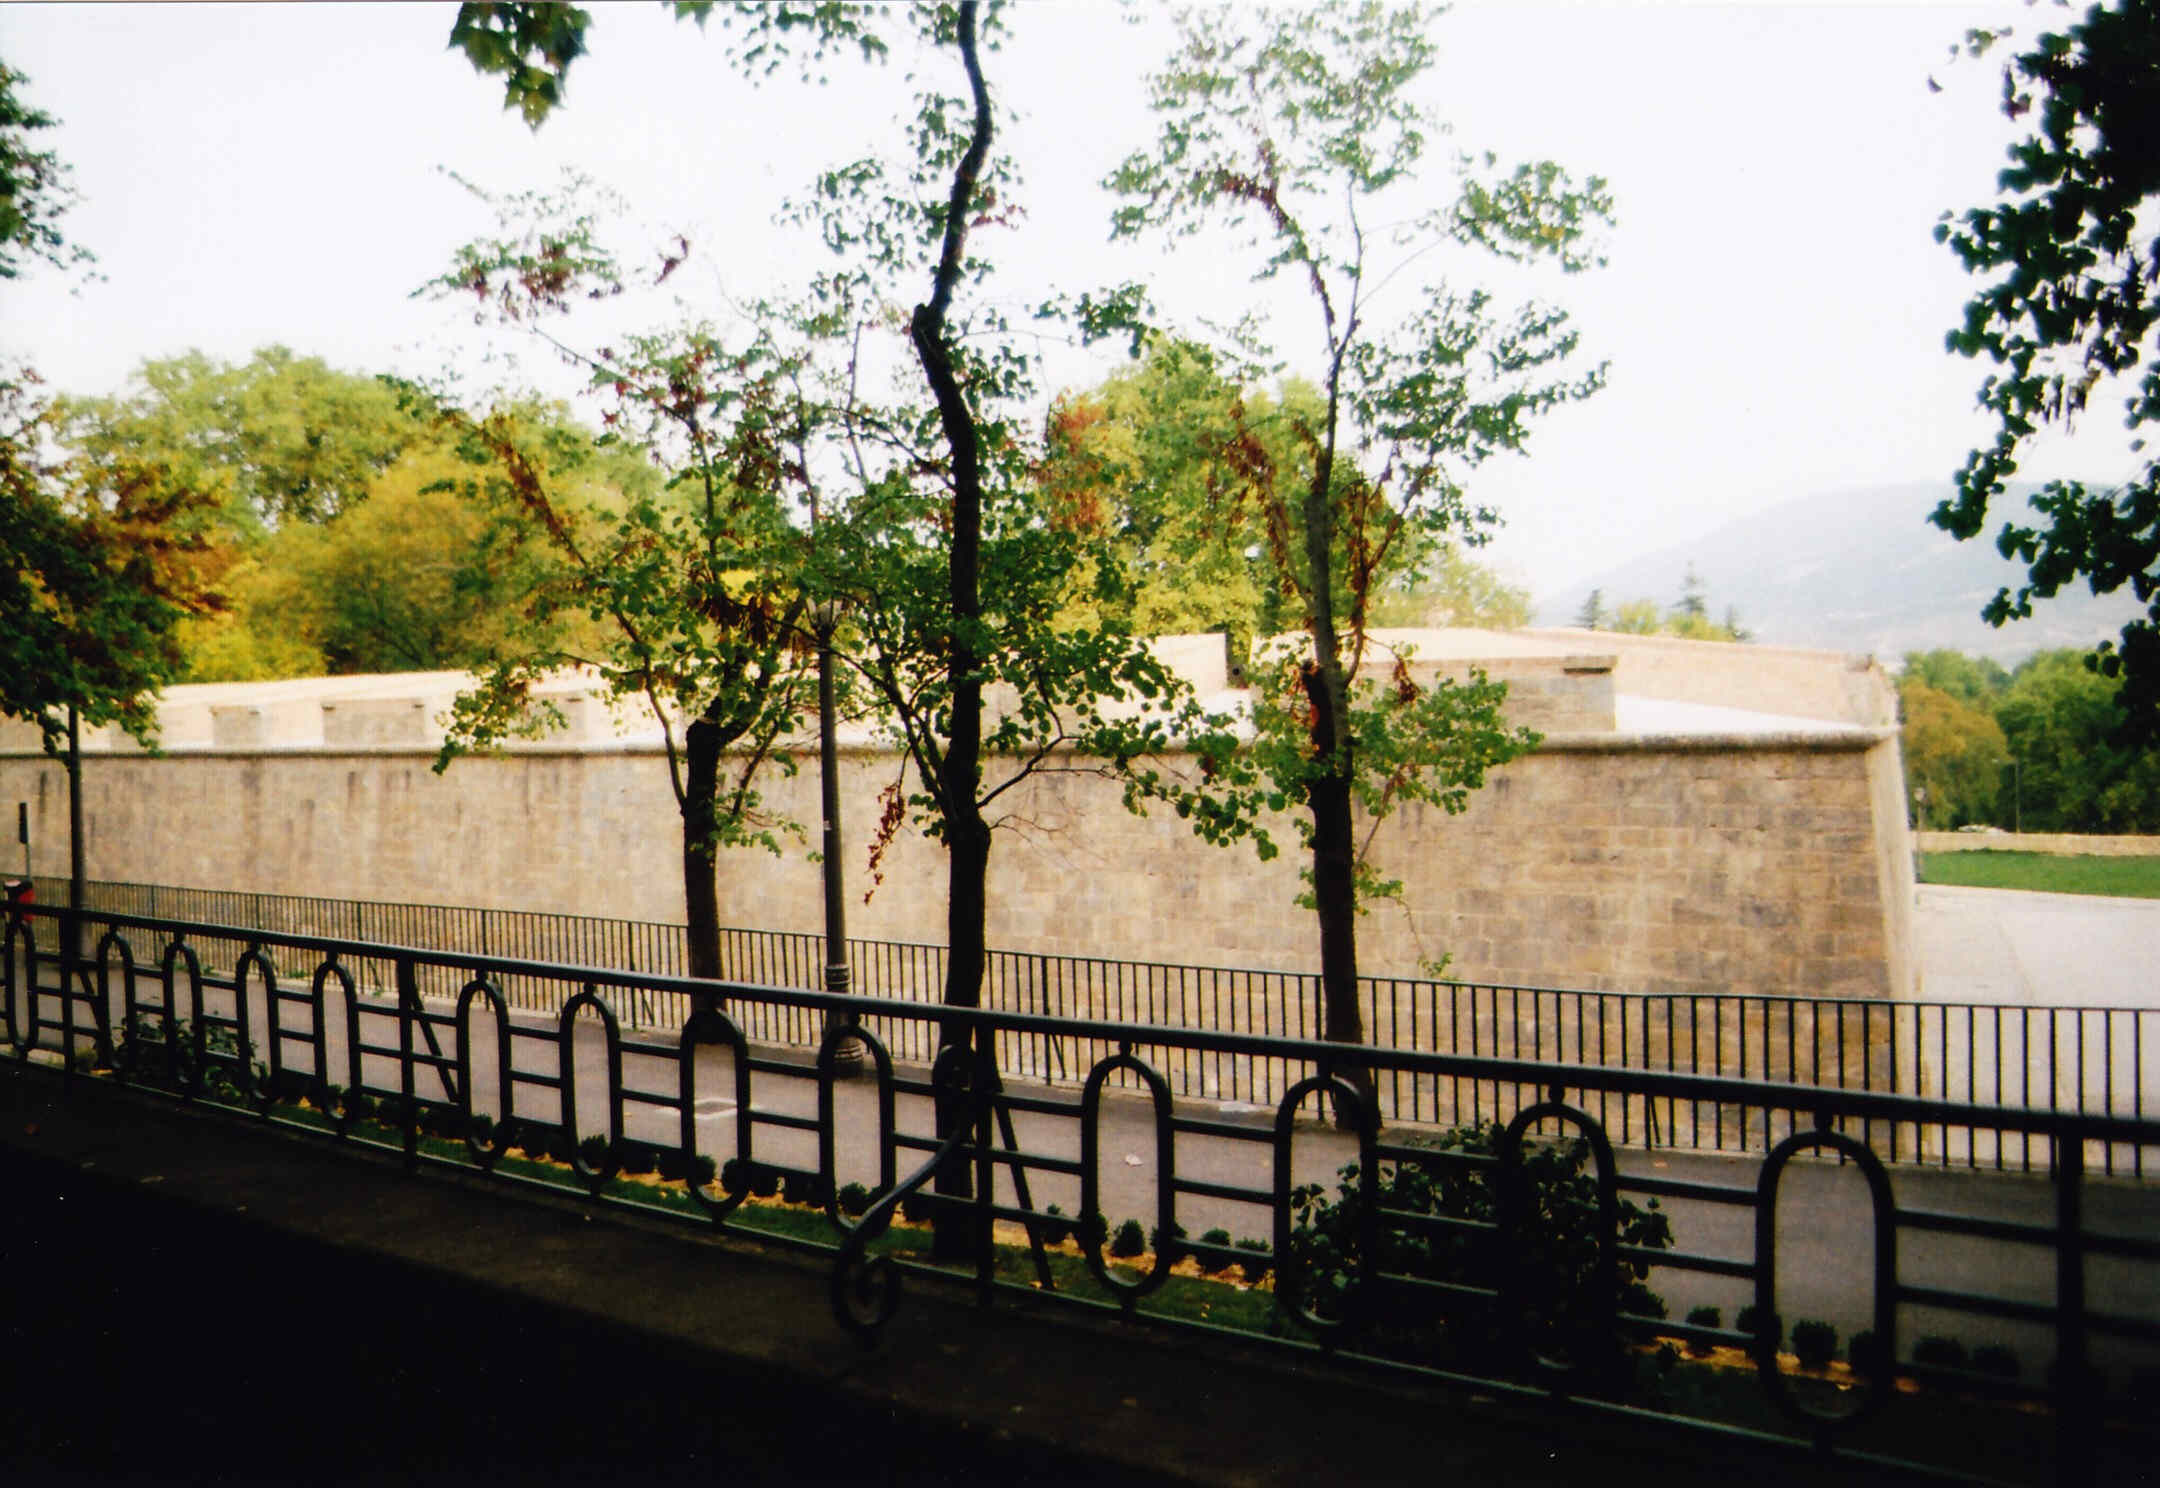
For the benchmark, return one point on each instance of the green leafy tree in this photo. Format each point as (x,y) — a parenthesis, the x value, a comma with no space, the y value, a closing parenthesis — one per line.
(1955,756)
(693,591)
(1593,614)
(1975,680)
(93,579)
(2063,722)
(1296,133)
(1444,586)
(952,577)
(283,438)
(2068,310)
(35,189)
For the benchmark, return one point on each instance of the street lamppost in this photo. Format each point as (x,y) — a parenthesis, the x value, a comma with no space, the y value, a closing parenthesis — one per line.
(839,974)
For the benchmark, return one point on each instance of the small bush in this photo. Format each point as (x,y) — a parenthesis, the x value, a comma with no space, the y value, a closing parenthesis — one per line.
(482,1127)
(1751,1321)
(1169,1245)
(1257,1263)
(1212,1263)
(1866,1353)
(1995,1359)
(1129,1240)
(1703,1317)
(918,1207)
(1814,1343)
(637,1158)
(1054,1227)
(703,1172)
(672,1163)
(799,1188)
(595,1149)
(1092,1230)
(1939,1352)
(854,1200)
(1668,1358)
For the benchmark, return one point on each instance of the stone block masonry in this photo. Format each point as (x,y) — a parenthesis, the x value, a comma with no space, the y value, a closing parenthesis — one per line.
(1772,865)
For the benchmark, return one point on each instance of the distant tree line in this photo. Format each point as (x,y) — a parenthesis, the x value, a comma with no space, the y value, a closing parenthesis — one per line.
(2034,748)
(1688,618)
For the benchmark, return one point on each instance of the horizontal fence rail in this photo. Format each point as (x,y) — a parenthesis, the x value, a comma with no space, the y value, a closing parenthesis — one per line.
(1509,1255)
(2092,1060)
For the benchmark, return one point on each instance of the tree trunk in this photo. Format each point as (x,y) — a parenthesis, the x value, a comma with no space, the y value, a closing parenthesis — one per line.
(701,891)
(1334,868)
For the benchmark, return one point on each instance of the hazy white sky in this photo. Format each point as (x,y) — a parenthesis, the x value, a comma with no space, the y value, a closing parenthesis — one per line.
(1773,309)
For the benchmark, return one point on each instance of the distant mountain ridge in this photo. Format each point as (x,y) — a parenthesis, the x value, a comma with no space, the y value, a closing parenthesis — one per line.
(1856,570)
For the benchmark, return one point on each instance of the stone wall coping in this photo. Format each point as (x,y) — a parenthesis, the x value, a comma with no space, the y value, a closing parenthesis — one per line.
(1817,741)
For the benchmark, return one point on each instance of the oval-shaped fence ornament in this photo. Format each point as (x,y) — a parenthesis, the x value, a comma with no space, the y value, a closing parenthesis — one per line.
(594,1178)
(109,943)
(710,1026)
(1291,1279)
(256,1092)
(484,1153)
(1877,1373)
(186,1068)
(828,1071)
(339,1111)
(1127,1291)
(20,941)
(1516,1207)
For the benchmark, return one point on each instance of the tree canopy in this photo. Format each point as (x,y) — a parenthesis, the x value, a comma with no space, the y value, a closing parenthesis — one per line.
(2070,310)
(1291,137)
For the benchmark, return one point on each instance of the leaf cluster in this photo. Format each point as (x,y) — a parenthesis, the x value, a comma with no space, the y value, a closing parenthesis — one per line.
(1441,1219)
(2070,307)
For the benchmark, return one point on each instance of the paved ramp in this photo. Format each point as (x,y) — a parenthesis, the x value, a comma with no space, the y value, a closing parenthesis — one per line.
(2036,950)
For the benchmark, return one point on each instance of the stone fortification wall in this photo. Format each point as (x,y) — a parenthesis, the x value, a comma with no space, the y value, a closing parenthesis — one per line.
(2060,844)
(1789,680)
(1768,864)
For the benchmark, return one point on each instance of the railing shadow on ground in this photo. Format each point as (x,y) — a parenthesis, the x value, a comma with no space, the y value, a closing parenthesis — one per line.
(291,1035)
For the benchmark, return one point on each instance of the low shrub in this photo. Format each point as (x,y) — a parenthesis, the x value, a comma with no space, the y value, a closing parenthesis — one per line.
(1867,1355)
(1211,1262)
(1093,1230)
(1053,1226)
(595,1150)
(1939,1352)
(1703,1317)
(1257,1262)
(1170,1245)
(854,1200)
(1995,1359)
(918,1207)
(799,1188)
(1129,1241)
(1751,1321)
(1814,1343)
(1553,1259)
(637,1158)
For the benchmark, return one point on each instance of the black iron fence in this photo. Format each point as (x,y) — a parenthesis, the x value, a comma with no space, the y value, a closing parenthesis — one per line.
(2065,1275)
(2093,1060)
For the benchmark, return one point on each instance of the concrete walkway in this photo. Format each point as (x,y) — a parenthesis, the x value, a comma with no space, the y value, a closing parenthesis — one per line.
(2036,950)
